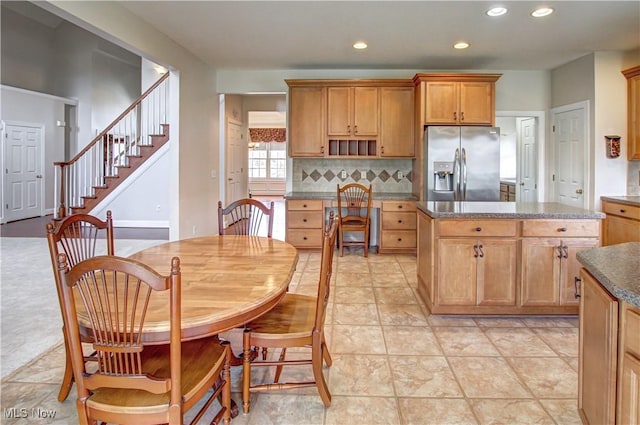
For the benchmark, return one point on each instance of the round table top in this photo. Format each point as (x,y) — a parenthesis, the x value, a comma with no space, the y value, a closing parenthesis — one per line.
(226,282)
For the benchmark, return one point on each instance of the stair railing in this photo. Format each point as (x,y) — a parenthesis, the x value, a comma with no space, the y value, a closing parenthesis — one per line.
(76,179)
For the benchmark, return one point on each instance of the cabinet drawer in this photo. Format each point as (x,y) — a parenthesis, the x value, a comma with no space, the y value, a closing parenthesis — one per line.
(304,205)
(398,239)
(304,219)
(399,220)
(561,228)
(632,332)
(407,206)
(474,228)
(621,210)
(305,238)
(512,189)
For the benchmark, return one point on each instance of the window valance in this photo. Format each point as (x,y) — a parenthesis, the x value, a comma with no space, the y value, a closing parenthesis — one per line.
(266,135)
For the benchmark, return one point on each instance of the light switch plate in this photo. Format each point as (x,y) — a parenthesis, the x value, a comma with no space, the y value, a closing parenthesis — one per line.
(343,174)
(363,174)
(400,175)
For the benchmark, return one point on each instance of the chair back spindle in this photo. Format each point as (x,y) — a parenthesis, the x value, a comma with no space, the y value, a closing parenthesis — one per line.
(246,217)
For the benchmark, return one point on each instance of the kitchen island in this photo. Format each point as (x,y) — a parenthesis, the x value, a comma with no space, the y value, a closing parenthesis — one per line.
(609,355)
(502,257)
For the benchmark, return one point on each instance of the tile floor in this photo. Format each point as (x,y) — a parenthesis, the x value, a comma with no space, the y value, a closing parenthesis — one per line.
(393,362)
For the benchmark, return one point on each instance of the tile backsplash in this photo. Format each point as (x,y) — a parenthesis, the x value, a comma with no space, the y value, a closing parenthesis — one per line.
(322,175)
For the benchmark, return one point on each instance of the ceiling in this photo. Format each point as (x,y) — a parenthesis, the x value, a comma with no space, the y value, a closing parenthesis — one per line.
(400,34)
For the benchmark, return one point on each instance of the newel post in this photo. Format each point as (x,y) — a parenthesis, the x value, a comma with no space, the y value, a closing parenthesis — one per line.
(60,186)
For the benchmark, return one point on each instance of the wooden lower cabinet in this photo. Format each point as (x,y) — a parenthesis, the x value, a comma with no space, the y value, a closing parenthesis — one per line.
(549,270)
(398,229)
(598,353)
(501,266)
(622,223)
(609,357)
(305,223)
(476,272)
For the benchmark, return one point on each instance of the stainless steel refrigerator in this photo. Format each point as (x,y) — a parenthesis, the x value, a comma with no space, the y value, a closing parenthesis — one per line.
(463,163)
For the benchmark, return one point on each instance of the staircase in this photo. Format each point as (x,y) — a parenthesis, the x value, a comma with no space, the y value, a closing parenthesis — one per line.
(115,154)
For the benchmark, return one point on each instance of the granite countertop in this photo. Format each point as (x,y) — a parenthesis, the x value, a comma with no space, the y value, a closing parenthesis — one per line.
(617,268)
(328,196)
(627,200)
(458,209)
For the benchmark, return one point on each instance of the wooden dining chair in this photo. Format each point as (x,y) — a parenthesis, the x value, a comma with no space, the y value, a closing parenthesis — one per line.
(77,236)
(245,217)
(354,214)
(137,383)
(297,321)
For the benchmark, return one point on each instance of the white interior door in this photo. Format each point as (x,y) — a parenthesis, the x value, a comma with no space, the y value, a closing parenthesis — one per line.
(235,154)
(527,189)
(23,172)
(570,135)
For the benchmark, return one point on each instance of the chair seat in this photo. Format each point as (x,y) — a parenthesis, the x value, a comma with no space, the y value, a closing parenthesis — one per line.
(201,361)
(294,316)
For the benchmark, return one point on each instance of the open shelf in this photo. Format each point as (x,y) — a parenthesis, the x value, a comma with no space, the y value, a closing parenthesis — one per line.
(366,148)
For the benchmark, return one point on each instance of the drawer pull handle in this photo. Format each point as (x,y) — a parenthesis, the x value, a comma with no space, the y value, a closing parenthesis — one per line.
(399,239)
(304,205)
(304,220)
(399,207)
(304,238)
(478,229)
(623,211)
(562,229)
(475,251)
(399,221)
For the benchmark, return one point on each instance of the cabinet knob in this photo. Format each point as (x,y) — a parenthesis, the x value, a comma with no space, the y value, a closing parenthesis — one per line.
(304,220)
(304,205)
(455,115)
(399,239)
(304,237)
(623,211)
(321,149)
(478,229)
(562,229)
(461,116)
(399,221)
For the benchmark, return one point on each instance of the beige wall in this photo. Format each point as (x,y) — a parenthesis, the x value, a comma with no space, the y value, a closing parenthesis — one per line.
(195,140)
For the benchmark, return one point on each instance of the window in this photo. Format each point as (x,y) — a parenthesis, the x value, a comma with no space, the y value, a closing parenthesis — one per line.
(267,145)
(268,160)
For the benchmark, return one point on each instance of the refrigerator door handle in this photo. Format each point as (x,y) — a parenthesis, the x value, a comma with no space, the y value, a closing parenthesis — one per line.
(463,167)
(456,176)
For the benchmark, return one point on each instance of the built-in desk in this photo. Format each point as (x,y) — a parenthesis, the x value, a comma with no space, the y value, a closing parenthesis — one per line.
(393,218)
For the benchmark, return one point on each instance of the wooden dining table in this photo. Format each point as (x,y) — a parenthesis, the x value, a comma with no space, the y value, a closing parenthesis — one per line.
(226,282)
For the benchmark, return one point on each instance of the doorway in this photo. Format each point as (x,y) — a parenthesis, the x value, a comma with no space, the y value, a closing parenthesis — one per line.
(521,147)
(571,171)
(234,162)
(23,164)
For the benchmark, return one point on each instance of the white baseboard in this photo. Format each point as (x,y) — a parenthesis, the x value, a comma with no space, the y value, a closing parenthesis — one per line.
(141,223)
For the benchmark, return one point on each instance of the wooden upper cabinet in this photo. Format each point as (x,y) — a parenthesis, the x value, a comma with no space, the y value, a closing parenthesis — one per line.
(458,99)
(352,111)
(306,121)
(397,122)
(633,112)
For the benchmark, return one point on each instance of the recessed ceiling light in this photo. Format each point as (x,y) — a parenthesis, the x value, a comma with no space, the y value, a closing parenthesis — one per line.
(543,11)
(359,45)
(497,11)
(461,45)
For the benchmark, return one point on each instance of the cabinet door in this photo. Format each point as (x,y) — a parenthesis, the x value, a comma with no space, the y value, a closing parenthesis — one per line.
(339,109)
(570,268)
(598,352)
(496,278)
(365,111)
(633,114)
(476,103)
(425,255)
(540,272)
(441,102)
(396,122)
(620,230)
(630,391)
(456,272)
(306,136)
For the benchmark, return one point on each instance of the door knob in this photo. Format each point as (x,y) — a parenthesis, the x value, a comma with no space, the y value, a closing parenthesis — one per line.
(521,183)
(38,176)
(579,191)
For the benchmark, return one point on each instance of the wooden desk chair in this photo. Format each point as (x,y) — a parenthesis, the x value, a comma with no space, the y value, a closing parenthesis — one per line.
(137,383)
(297,321)
(354,214)
(77,236)
(245,217)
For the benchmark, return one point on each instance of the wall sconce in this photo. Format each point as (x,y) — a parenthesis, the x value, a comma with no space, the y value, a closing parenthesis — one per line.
(612,144)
